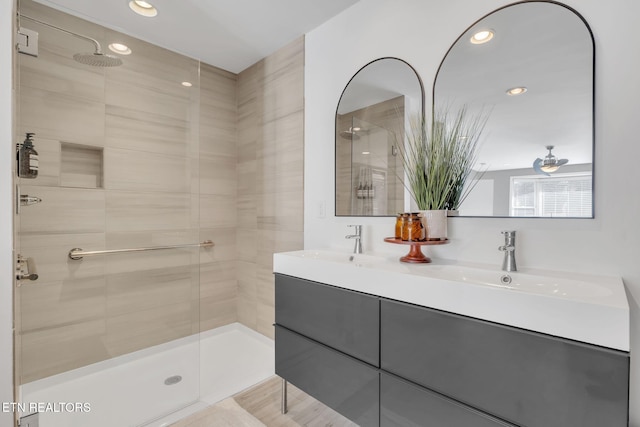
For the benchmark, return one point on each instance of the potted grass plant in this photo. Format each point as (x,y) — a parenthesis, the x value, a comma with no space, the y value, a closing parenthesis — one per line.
(439,164)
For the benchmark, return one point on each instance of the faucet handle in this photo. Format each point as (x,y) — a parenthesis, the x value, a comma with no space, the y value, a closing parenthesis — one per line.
(509,236)
(358,228)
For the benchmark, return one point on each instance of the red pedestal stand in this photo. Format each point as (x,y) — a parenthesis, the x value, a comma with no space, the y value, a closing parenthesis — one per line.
(415,254)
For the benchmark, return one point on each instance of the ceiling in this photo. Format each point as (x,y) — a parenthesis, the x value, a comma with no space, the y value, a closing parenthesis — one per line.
(230,34)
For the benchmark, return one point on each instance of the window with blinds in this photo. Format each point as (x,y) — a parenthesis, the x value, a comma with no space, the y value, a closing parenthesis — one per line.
(563,195)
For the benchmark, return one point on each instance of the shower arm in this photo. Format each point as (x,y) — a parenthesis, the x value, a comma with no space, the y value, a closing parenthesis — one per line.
(80,36)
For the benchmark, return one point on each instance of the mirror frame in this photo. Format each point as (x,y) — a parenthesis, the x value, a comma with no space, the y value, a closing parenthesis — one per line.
(335,132)
(593,102)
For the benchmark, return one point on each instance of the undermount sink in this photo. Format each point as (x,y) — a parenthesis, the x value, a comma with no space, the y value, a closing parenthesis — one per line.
(586,308)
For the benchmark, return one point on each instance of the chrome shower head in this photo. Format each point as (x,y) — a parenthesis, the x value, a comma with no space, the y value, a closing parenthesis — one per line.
(97,59)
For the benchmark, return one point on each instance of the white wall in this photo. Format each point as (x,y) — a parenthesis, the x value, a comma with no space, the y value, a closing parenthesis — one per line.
(420,32)
(6,215)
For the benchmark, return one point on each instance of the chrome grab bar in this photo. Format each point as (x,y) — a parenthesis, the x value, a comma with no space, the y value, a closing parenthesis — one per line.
(78,253)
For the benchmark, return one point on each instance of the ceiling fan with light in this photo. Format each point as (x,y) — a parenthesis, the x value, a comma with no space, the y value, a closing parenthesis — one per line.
(549,164)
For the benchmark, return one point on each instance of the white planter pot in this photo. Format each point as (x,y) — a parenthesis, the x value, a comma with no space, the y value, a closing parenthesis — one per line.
(435,224)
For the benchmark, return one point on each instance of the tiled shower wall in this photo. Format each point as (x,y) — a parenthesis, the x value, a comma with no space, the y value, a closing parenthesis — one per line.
(270,177)
(128,158)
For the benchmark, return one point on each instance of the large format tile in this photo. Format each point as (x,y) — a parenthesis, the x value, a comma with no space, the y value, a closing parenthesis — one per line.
(225,245)
(145,328)
(131,129)
(145,171)
(55,70)
(283,80)
(149,93)
(270,177)
(218,175)
(50,253)
(142,290)
(218,211)
(50,351)
(133,262)
(62,117)
(64,211)
(138,211)
(218,295)
(67,302)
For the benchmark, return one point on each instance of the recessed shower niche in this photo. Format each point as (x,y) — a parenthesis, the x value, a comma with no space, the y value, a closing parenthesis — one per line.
(81,166)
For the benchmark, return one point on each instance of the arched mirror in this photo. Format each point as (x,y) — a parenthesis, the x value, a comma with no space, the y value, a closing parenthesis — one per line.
(532,65)
(370,119)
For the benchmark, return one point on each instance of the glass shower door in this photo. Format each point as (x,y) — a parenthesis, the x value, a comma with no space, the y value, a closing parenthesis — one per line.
(110,339)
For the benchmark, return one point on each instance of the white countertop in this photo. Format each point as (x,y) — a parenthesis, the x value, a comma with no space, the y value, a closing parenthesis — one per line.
(591,309)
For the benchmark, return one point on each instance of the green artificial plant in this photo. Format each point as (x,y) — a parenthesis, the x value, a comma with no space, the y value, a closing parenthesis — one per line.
(439,159)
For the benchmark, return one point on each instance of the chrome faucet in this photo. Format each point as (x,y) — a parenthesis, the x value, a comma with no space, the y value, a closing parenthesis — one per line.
(509,249)
(358,236)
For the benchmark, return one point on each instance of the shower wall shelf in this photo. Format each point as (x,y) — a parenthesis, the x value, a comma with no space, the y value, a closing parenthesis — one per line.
(78,253)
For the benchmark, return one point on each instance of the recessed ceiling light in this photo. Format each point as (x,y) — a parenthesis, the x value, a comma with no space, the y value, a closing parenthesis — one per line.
(143,8)
(186,84)
(366,152)
(482,36)
(120,48)
(516,91)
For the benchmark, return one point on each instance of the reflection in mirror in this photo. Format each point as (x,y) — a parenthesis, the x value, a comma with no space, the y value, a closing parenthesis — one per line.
(532,65)
(370,118)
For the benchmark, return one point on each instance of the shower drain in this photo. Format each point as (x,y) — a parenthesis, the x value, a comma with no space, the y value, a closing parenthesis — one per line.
(173,380)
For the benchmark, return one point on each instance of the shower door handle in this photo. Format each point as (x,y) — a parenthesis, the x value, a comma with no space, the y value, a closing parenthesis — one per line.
(30,272)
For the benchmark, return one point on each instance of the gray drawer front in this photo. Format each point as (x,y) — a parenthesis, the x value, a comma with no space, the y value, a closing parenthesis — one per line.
(526,378)
(345,320)
(407,405)
(340,382)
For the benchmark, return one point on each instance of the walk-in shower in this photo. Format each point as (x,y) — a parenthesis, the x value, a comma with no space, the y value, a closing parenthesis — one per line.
(132,313)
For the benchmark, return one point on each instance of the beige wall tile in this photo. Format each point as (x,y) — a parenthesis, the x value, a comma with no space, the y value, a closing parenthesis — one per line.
(270,171)
(51,351)
(131,129)
(218,294)
(62,117)
(55,70)
(143,290)
(129,89)
(218,211)
(55,304)
(51,255)
(137,211)
(145,328)
(225,245)
(145,171)
(64,211)
(150,260)
(283,80)
(218,175)
(247,293)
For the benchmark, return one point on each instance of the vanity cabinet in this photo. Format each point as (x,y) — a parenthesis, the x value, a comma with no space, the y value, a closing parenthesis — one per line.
(344,320)
(524,377)
(381,362)
(343,383)
(328,345)
(405,404)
